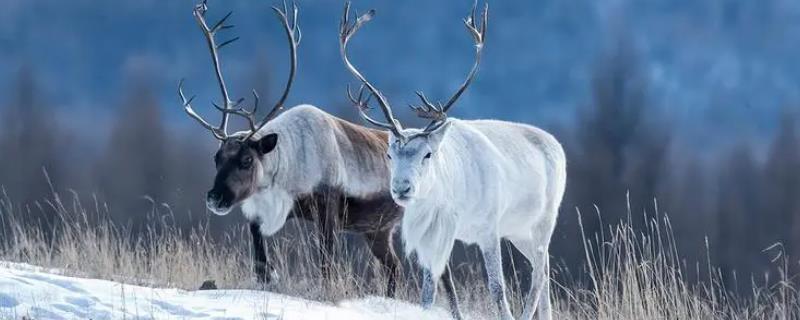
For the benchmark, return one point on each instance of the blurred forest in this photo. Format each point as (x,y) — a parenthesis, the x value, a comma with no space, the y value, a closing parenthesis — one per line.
(140,160)
(742,200)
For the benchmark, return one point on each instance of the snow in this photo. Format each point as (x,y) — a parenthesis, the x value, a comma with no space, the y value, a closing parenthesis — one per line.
(37,293)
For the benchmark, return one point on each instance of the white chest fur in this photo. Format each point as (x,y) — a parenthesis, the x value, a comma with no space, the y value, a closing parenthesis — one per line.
(270,207)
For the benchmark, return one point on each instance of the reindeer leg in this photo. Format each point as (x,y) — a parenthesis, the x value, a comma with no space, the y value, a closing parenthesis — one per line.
(329,210)
(262,268)
(380,243)
(450,289)
(327,245)
(428,294)
(537,298)
(494,271)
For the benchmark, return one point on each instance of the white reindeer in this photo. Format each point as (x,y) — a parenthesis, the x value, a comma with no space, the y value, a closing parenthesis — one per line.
(475,181)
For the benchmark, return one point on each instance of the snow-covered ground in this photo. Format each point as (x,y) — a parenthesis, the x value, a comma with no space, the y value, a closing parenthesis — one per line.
(35,293)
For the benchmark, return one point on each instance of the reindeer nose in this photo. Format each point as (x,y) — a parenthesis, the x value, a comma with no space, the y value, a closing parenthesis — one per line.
(214,196)
(402,191)
(402,187)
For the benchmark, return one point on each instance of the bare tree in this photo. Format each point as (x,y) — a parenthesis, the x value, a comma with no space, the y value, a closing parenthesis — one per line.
(28,143)
(736,213)
(621,145)
(689,201)
(133,170)
(780,219)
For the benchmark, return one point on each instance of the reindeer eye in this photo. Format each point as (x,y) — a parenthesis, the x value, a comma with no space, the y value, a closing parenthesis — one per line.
(389,156)
(247,162)
(428,156)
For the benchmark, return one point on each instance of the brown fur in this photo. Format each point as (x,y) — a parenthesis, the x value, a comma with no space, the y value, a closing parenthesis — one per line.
(362,142)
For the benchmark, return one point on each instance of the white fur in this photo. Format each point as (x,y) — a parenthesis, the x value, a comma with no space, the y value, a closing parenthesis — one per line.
(484,181)
(311,151)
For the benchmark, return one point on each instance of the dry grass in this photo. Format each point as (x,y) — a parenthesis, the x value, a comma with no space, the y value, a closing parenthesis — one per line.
(629,274)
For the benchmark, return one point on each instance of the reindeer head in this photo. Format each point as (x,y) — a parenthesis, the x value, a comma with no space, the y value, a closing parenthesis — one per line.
(239,171)
(239,160)
(411,162)
(411,150)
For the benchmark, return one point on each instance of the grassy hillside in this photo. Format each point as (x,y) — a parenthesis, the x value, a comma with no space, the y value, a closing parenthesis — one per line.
(627,274)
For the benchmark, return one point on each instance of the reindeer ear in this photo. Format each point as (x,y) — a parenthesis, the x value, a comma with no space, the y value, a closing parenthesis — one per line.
(267,143)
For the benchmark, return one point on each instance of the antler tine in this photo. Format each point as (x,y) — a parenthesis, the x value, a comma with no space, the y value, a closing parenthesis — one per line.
(256,98)
(359,102)
(428,110)
(346,31)
(362,105)
(187,106)
(250,116)
(294,35)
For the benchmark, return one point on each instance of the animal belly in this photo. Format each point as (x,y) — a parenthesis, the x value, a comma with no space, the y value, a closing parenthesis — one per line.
(522,216)
(369,215)
(471,232)
(519,223)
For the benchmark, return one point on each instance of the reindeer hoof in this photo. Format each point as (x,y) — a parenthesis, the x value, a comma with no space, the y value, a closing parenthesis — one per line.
(265,277)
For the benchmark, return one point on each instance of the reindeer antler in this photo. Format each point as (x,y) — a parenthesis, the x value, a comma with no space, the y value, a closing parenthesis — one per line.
(346,30)
(199,13)
(438,113)
(435,112)
(230,107)
(294,35)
